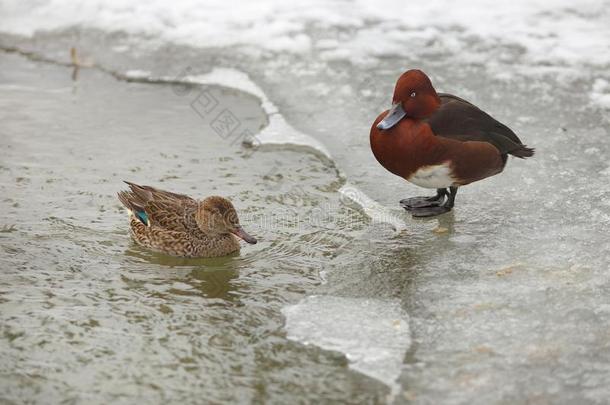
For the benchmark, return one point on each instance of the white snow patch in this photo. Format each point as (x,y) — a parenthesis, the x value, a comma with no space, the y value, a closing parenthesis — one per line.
(556,31)
(373,334)
(137,74)
(600,93)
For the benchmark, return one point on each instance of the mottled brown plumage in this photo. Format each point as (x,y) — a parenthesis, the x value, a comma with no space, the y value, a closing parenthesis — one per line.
(179,225)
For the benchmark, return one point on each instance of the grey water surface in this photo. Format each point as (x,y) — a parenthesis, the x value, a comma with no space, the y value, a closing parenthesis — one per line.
(506,298)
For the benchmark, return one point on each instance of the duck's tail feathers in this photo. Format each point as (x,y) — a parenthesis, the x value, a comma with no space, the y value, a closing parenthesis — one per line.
(523,152)
(134,206)
(144,193)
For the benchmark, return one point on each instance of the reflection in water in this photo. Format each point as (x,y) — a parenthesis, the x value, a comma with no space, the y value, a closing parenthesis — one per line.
(216,283)
(446,223)
(210,276)
(152,257)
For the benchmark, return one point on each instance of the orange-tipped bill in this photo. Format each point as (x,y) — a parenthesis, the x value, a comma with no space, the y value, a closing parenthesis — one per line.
(240,233)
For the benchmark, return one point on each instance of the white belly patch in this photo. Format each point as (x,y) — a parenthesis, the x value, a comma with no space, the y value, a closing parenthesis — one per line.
(437,176)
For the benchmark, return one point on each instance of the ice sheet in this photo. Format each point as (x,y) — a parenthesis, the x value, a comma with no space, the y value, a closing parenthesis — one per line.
(373,334)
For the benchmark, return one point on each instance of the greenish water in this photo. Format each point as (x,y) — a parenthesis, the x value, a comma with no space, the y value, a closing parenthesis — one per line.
(86,315)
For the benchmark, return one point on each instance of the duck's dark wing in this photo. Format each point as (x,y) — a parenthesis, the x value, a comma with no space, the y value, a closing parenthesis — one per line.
(151,193)
(160,208)
(458,119)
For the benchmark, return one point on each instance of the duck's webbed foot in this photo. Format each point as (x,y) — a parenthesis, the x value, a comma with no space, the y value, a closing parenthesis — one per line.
(429,211)
(434,206)
(423,202)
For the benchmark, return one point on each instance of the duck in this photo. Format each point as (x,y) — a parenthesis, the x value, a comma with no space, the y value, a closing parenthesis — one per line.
(178,225)
(439,141)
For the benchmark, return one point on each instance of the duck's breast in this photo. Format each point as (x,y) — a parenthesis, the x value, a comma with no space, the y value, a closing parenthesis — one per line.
(408,147)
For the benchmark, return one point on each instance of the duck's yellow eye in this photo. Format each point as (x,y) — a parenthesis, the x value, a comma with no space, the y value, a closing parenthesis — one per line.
(413,94)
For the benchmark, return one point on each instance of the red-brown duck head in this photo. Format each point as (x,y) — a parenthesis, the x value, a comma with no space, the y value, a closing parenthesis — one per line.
(414,97)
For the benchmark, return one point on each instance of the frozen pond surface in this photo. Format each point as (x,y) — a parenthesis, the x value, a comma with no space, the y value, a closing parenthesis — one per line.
(505,300)
(373,334)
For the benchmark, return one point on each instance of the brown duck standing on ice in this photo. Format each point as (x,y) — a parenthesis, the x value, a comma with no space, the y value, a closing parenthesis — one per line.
(179,225)
(437,140)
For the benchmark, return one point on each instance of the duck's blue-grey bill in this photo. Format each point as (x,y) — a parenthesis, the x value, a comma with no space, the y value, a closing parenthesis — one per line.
(395,114)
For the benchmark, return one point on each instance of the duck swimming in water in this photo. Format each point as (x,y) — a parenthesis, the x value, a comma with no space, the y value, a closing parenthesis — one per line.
(438,140)
(179,225)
